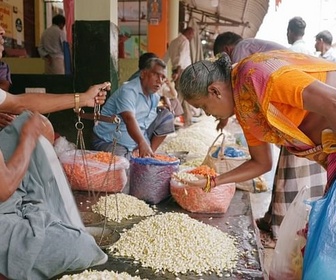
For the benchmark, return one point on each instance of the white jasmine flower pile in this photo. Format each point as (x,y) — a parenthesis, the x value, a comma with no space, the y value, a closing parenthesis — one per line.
(179,244)
(100,275)
(196,139)
(193,162)
(117,207)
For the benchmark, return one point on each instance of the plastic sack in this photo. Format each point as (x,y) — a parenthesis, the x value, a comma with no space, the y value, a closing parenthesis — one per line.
(91,174)
(150,178)
(320,251)
(196,200)
(62,145)
(287,259)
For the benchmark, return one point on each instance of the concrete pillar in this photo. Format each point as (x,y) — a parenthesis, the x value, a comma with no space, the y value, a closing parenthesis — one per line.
(173,27)
(95,43)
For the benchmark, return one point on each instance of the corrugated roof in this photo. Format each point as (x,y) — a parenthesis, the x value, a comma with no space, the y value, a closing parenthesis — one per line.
(240,16)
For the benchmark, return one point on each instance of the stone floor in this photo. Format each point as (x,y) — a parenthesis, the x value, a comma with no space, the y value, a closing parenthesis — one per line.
(259,205)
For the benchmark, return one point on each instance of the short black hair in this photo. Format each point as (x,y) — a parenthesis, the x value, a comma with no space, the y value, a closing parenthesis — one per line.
(144,57)
(58,20)
(225,39)
(326,36)
(297,26)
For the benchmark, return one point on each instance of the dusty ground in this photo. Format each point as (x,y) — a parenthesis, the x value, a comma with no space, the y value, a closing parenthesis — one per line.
(259,204)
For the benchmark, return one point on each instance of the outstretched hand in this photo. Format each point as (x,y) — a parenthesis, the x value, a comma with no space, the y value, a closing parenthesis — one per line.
(96,94)
(197,183)
(145,150)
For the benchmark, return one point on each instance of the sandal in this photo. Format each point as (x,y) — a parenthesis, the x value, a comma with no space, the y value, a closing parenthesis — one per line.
(261,224)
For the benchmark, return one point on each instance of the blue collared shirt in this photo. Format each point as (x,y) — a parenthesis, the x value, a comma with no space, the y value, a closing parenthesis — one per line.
(129,97)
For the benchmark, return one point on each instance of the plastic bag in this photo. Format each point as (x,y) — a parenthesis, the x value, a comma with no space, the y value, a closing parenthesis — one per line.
(197,201)
(150,178)
(62,145)
(320,252)
(92,174)
(287,259)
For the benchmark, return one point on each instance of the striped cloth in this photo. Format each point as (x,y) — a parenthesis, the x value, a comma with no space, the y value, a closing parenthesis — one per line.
(292,174)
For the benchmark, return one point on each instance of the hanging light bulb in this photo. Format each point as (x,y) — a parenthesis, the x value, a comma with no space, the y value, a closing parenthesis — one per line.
(214,3)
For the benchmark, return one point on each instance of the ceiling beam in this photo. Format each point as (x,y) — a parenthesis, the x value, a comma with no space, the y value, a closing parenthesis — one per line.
(215,17)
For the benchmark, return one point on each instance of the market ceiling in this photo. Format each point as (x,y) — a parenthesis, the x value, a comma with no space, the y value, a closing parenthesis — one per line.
(216,16)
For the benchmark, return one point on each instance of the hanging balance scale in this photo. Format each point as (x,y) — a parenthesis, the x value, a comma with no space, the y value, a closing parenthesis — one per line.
(102,234)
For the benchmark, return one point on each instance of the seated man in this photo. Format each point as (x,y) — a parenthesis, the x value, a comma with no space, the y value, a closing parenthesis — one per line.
(168,92)
(41,233)
(142,126)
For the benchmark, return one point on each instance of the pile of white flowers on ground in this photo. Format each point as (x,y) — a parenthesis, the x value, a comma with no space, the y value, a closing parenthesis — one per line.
(176,243)
(116,207)
(100,275)
(194,162)
(195,139)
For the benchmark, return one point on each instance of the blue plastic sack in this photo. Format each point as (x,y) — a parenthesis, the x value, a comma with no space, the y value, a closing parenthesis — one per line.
(150,178)
(320,254)
(229,152)
(154,161)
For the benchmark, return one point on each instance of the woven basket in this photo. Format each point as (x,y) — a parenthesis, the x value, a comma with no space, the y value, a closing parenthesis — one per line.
(224,164)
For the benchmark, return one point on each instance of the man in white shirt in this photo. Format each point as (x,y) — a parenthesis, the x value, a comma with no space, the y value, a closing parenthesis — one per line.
(323,45)
(295,32)
(51,48)
(179,54)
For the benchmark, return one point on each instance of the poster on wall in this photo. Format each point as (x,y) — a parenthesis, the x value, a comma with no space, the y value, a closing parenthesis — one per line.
(11,20)
(154,11)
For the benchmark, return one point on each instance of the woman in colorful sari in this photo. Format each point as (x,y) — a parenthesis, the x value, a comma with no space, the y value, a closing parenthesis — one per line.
(278,97)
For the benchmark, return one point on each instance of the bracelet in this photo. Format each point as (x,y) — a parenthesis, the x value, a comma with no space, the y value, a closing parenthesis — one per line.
(207,187)
(77,108)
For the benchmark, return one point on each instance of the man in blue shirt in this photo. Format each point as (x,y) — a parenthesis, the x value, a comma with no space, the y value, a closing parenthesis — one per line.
(143,126)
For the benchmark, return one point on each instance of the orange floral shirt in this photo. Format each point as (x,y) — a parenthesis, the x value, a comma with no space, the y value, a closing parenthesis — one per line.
(268,90)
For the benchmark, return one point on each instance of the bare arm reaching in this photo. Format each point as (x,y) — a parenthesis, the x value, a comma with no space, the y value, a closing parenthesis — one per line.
(48,103)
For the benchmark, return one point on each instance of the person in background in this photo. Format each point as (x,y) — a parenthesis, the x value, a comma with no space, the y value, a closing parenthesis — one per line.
(141,64)
(5,83)
(51,47)
(323,44)
(295,32)
(179,54)
(279,97)
(238,48)
(37,209)
(143,127)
